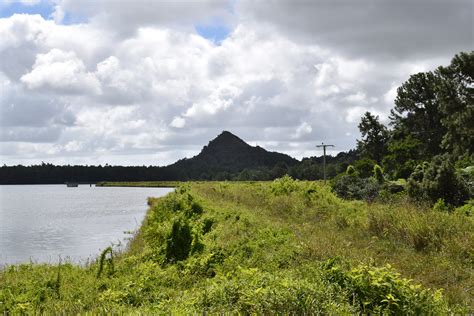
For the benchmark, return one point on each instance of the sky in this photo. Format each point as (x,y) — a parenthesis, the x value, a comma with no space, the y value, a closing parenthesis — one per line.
(149,82)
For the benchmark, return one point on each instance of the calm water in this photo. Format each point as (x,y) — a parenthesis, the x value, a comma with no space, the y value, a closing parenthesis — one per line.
(45,222)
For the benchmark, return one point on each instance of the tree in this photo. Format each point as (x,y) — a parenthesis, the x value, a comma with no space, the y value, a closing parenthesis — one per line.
(374,138)
(417,113)
(456,102)
(403,156)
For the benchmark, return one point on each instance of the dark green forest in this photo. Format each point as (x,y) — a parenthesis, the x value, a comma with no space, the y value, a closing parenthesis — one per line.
(430,130)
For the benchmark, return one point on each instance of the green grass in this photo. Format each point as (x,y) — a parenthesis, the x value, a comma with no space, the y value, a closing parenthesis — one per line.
(284,246)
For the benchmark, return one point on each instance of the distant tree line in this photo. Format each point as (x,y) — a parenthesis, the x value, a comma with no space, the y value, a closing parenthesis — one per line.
(46,173)
(227,157)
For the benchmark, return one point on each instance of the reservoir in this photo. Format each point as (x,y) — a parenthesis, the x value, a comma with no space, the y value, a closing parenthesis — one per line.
(48,223)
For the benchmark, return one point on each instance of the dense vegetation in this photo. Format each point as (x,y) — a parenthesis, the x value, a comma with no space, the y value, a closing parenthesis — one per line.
(285,246)
(433,116)
(430,142)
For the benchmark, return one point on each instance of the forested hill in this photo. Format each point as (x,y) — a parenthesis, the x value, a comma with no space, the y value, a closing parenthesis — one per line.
(228,154)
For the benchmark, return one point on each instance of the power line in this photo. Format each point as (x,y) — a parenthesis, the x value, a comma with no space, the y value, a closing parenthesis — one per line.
(324,158)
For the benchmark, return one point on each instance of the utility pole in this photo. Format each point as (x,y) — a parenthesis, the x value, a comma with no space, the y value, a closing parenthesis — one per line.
(324,158)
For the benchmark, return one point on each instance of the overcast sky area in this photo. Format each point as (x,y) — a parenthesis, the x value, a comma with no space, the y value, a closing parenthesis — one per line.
(149,82)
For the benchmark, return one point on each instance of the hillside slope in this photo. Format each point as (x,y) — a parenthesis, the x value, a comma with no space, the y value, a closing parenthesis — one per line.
(227,153)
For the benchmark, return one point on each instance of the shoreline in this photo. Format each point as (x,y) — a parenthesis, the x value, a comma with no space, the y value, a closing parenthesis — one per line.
(144,184)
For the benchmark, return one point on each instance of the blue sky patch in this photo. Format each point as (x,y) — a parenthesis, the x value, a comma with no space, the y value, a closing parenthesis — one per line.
(214,32)
(44,8)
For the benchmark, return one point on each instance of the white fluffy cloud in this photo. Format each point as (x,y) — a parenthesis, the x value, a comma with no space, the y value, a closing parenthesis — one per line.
(62,71)
(135,84)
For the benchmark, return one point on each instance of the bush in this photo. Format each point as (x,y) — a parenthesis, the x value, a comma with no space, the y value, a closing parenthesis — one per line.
(179,241)
(365,167)
(378,174)
(252,291)
(350,171)
(438,180)
(467,209)
(354,188)
(393,187)
(173,230)
(383,291)
(440,206)
(284,185)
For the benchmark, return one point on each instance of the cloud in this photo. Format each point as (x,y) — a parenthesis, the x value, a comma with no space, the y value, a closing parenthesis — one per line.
(142,13)
(27,116)
(152,90)
(25,36)
(303,129)
(62,71)
(376,28)
(178,122)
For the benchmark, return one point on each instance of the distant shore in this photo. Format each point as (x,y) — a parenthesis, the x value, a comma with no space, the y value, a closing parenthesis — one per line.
(147,184)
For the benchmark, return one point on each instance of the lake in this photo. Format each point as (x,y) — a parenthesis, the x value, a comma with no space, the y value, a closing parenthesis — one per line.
(44,223)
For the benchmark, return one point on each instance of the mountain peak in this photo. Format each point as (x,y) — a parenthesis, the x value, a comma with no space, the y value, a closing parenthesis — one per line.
(228,154)
(228,140)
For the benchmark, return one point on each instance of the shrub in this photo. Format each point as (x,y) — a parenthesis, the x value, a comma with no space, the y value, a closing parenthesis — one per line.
(350,171)
(179,241)
(350,187)
(467,209)
(378,174)
(207,224)
(468,175)
(365,167)
(438,180)
(383,291)
(394,186)
(283,185)
(440,206)
(414,188)
(252,291)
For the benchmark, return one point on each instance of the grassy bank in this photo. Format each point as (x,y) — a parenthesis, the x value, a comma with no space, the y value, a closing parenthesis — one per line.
(148,184)
(285,246)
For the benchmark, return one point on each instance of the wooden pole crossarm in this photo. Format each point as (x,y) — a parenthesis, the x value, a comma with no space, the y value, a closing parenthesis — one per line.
(324,158)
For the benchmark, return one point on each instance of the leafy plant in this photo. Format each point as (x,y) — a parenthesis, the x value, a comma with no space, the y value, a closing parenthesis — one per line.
(179,241)
(378,174)
(283,185)
(382,290)
(106,261)
(350,171)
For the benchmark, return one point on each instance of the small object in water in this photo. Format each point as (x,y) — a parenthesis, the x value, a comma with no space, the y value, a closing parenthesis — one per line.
(72,184)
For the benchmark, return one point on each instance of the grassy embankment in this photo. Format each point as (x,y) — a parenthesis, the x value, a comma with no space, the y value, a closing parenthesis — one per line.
(151,184)
(285,246)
